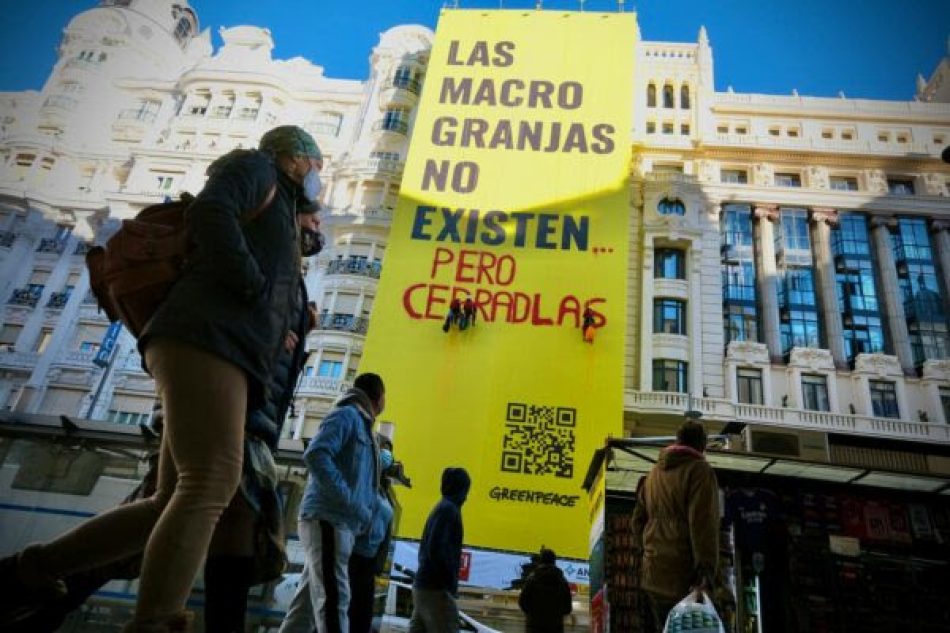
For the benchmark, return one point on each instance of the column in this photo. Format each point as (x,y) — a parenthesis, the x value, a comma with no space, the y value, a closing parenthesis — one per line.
(822,219)
(940,230)
(767,278)
(881,228)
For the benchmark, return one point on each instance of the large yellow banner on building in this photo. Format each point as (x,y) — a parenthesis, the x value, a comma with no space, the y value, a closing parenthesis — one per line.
(514,196)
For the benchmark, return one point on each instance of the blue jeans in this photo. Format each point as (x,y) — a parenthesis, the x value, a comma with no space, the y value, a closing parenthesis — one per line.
(433,611)
(323,595)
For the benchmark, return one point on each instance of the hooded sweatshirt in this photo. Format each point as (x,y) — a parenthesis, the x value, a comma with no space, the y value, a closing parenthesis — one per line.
(545,599)
(440,551)
(676,522)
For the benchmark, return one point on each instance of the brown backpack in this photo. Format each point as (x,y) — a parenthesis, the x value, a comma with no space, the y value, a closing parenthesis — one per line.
(131,276)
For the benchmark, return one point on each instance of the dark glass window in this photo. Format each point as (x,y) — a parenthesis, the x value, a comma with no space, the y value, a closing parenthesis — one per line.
(945,403)
(900,186)
(856,287)
(669,316)
(684,97)
(651,96)
(668,97)
(919,278)
(740,311)
(749,385)
(884,399)
(669,375)
(799,329)
(737,225)
(671,206)
(815,393)
(741,323)
(669,263)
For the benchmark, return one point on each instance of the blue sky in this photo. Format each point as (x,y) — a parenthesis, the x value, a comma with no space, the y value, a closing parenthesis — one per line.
(867,48)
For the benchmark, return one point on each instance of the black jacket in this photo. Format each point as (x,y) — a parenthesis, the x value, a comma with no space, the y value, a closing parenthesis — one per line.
(236,296)
(440,551)
(545,599)
(267,421)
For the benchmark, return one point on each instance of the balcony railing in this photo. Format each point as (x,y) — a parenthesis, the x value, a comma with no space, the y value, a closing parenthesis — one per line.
(826,421)
(18,360)
(343,323)
(354,266)
(58,300)
(7,238)
(321,385)
(51,245)
(137,115)
(24,297)
(392,125)
(403,83)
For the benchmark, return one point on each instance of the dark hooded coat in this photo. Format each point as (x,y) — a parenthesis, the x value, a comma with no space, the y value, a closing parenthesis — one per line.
(545,600)
(440,551)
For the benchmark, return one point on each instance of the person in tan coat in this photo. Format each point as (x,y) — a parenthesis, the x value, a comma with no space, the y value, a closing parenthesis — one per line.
(676,523)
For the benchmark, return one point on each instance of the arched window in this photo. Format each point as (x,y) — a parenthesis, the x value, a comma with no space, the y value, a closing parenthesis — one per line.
(684,97)
(671,206)
(651,96)
(668,97)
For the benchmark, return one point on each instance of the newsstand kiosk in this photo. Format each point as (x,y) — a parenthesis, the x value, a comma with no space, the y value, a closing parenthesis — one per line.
(805,546)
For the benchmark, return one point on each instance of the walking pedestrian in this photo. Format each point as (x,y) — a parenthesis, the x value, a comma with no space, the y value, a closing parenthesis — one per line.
(546,596)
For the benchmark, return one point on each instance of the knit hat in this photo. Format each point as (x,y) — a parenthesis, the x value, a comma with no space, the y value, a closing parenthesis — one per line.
(291,140)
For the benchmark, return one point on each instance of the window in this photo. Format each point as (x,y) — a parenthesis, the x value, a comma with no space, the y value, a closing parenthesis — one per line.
(684,97)
(883,399)
(788,180)
(42,341)
(945,403)
(741,130)
(794,229)
(847,135)
(670,263)
(667,128)
(738,281)
(165,182)
(669,316)
(737,225)
(827,134)
(127,417)
(749,385)
(883,137)
(668,97)
(722,129)
(330,368)
(903,138)
(792,132)
(815,393)
(651,96)
(900,186)
(775,131)
(651,127)
(669,375)
(671,206)
(88,347)
(684,129)
(844,183)
(734,176)
(10,333)
(327,123)
(740,322)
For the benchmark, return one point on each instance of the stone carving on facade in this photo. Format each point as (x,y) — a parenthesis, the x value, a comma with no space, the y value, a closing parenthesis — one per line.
(766,212)
(748,352)
(824,214)
(876,180)
(878,364)
(937,370)
(706,171)
(763,175)
(812,359)
(818,177)
(934,185)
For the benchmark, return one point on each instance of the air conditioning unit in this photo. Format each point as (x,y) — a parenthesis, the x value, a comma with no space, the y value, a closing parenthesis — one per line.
(808,445)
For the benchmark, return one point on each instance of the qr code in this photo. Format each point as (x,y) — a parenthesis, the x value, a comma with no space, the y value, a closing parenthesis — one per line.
(539,440)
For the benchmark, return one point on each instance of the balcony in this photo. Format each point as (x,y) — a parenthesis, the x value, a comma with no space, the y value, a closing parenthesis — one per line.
(354,266)
(18,360)
(58,300)
(27,297)
(7,238)
(675,404)
(343,323)
(399,91)
(396,127)
(51,245)
(321,386)
(76,359)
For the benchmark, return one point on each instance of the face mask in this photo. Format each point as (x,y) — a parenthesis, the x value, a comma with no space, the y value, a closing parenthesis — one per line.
(311,242)
(385,458)
(312,185)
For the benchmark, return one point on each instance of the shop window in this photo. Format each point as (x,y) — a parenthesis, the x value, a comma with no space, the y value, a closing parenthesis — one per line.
(669,263)
(651,96)
(669,316)
(671,206)
(669,375)
(883,399)
(749,385)
(815,393)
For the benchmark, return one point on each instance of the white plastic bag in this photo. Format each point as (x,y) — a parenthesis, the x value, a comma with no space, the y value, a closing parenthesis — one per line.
(692,616)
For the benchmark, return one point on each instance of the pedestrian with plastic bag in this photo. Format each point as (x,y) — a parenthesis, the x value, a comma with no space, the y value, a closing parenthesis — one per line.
(676,529)
(694,614)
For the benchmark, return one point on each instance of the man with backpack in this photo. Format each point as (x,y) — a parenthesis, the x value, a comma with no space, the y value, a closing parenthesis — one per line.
(210,346)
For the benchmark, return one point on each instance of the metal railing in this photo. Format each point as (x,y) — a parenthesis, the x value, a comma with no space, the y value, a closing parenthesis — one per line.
(51,245)
(24,297)
(343,323)
(354,266)
(392,125)
(403,83)
(58,300)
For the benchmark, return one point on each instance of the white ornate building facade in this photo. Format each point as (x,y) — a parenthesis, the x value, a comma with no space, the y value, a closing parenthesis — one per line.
(790,256)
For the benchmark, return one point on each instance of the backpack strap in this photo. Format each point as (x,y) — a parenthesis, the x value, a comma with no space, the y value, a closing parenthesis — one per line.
(257,211)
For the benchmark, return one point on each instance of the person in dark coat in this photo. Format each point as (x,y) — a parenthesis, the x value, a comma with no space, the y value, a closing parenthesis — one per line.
(546,596)
(210,346)
(435,587)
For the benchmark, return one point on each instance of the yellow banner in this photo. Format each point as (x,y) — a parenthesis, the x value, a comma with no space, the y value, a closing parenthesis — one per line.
(515,192)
